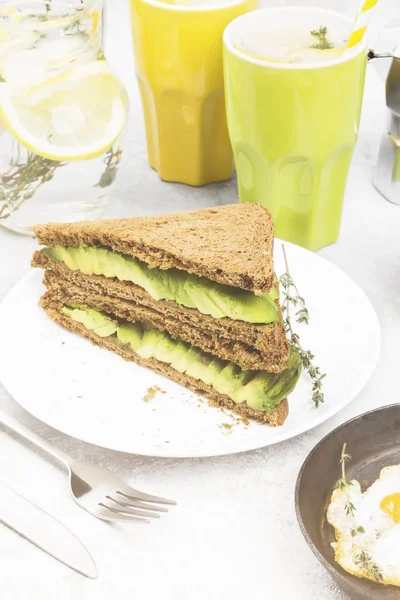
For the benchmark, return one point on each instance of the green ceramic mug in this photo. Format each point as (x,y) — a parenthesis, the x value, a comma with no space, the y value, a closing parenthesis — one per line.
(293,127)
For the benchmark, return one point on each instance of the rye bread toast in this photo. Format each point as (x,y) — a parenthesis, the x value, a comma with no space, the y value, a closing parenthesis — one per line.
(230,244)
(257,347)
(52,306)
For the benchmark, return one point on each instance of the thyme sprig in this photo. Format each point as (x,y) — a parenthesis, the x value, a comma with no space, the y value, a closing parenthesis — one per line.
(321,37)
(364,560)
(344,458)
(293,298)
(349,508)
(27,172)
(111,160)
(23,178)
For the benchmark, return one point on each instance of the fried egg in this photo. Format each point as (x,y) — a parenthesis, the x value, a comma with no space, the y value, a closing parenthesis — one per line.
(367,527)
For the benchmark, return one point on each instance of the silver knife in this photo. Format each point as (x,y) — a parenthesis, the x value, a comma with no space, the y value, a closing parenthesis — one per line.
(43,530)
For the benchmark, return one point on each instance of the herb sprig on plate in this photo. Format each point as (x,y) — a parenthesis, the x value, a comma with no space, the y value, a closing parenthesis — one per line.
(293,298)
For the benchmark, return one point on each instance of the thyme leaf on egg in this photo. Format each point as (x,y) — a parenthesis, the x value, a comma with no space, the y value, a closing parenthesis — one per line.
(293,298)
(349,508)
(321,39)
(356,530)
(344,458)
(364,560)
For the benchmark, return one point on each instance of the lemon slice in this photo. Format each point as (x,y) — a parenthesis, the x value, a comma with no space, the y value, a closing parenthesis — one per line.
(75,116)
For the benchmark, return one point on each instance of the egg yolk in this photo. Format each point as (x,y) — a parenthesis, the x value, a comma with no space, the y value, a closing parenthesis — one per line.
(391,506)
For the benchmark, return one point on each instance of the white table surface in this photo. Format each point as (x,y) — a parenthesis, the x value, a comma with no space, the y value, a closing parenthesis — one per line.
(234,533)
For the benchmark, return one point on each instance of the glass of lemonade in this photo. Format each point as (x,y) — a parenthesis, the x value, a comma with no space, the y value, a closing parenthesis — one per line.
(62,113)
(293,99)
(178,48)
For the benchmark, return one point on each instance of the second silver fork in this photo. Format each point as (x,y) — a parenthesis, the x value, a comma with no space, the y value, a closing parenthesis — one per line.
(96,490)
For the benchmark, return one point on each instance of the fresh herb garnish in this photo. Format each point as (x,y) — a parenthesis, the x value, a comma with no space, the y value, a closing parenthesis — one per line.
(364,560)
(344,458)
(349,508)
(111,159)
(321,37)
(293,297)
(2,79)
(28,172)
(23,178)
(356,530)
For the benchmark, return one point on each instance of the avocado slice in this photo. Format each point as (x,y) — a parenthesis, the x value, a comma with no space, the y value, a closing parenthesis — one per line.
(93,320)
(130,333)
(174,281)
(289,385)
(278,388)
(198,363)
(241,305)
(199,292)
(180,361)
(232,377)
(152,339)
(61,254)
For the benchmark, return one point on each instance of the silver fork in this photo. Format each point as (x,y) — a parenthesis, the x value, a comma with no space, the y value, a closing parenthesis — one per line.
(96,490)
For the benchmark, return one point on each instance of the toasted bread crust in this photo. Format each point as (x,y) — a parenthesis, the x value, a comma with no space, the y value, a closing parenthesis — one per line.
(256,347)
(231,244)
(276,417)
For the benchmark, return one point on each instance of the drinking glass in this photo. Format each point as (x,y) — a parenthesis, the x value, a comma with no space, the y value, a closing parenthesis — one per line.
(178,48)
(62,113)
(293,127)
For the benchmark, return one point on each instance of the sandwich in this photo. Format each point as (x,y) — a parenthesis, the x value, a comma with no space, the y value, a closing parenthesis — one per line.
(192,296)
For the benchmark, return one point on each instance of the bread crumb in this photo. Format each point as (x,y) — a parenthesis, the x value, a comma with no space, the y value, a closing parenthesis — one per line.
(63,343)
(151,392)
(227,425)
(167,442)
(79,396)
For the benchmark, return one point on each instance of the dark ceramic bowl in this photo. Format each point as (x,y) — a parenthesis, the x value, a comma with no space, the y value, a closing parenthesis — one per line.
(373,440)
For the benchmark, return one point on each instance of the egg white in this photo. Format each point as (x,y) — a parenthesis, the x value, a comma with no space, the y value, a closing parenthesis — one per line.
(379,537)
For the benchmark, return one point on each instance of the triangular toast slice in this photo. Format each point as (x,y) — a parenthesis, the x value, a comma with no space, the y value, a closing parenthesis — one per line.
(276,417)
(257,347)
(230,244)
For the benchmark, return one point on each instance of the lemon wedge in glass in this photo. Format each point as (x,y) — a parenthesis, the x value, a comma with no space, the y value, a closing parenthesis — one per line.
(77,115)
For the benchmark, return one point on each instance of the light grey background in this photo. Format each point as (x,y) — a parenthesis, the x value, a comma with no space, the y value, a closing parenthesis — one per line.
(234,534)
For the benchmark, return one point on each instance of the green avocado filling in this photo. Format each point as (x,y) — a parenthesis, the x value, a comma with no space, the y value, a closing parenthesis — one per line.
(208,297)
(259,389)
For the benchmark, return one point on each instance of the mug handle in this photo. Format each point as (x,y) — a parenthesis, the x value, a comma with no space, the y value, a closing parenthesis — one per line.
(376,55)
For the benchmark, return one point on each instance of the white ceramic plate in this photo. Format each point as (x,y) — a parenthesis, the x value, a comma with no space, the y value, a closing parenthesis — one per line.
(93,395)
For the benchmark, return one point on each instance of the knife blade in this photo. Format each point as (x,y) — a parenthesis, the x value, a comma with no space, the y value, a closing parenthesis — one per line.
(44,531)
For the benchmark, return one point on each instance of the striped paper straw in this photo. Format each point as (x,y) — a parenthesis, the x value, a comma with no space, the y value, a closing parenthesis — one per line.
(361,23)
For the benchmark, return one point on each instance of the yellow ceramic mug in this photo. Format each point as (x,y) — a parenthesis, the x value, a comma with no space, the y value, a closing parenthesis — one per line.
(178,52)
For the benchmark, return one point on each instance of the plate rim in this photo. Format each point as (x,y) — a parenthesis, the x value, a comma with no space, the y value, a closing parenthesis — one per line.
(284,435)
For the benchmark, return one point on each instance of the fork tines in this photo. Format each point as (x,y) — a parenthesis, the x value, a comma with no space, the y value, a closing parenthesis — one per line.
(129,504)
